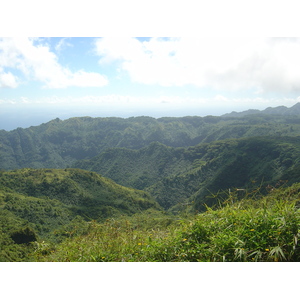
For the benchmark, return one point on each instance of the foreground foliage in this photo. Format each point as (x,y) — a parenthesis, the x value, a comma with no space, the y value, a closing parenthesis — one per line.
(253,229)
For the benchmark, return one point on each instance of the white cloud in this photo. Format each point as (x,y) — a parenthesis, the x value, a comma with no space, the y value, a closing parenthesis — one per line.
(8,80)
(121,102)
(37,62)
(265,65)
(62,44)
(220,98)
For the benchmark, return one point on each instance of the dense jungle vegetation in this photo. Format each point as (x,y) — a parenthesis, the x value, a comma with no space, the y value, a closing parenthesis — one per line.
(143,189)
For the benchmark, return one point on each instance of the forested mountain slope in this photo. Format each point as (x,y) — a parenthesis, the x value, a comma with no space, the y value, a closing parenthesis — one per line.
(58,144)
(54,204)
(176,175)
(86,193)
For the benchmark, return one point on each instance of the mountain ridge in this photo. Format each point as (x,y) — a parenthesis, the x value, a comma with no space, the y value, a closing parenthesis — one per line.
(279,110)
(58,144)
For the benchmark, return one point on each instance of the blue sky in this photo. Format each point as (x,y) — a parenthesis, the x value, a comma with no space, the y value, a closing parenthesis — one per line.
(45,78)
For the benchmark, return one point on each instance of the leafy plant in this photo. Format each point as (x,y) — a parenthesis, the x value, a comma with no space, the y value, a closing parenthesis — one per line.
(249,230)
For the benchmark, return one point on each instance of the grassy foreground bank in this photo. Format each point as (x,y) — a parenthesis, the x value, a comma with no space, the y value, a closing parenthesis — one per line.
(257,228)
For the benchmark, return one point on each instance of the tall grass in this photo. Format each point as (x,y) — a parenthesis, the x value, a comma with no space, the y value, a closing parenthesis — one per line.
(121,239)
(255,228)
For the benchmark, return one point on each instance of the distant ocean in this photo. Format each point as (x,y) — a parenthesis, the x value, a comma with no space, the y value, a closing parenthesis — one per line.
(12,117)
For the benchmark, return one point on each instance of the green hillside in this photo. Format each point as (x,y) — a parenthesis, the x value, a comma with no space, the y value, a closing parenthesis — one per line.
(87,193)
(180,175)
(138,168)
(51,204)
(58,144)
(256,228)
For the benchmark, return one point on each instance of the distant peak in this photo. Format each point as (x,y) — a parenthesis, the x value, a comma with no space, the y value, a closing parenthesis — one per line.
(279,110)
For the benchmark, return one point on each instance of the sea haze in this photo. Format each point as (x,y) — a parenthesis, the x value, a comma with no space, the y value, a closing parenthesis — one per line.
(13,116)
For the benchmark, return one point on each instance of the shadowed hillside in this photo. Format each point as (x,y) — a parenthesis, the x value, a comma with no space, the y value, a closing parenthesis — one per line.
(176,175)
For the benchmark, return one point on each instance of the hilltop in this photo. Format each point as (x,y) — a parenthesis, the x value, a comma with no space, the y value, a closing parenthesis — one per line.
(86,193)
(49,203)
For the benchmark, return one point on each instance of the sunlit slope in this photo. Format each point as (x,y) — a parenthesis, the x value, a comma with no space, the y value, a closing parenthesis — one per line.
(256,228)
(85,193)
(53,204)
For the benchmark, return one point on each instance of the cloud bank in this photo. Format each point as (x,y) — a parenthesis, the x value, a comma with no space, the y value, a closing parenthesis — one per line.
(34,59)
(262,65)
